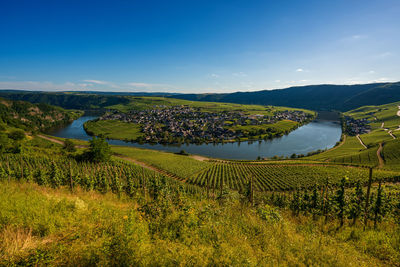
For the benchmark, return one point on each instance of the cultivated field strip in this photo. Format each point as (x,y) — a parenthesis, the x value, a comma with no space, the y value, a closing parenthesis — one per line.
(267,177)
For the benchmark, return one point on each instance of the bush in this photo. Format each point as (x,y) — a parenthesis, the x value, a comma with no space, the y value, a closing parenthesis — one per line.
(69,146)
(4,142)
(17,135)
(99,150)
(269,214)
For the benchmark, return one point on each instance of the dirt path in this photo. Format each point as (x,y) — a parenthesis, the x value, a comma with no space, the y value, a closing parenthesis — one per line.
(199,158)
(379,155)
(361,142)
(147,166)
(391,134)
(54,140)
(51,139)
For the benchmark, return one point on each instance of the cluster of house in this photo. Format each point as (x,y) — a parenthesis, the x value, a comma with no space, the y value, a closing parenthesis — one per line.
(356,126)
(174,124)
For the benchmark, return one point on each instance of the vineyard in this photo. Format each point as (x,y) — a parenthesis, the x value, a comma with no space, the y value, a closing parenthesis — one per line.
(391,155)
(116,176)
(269,177)
(366,157)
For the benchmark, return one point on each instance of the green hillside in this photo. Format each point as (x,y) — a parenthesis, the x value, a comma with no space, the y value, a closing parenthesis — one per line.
(384,121)
(36,117)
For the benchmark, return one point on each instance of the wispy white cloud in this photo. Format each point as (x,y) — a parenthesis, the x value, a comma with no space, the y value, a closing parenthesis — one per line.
(353,38)
(85,85)
(239,74)
(213,75)
(299,70)
(358,36)
(39,85)
(147,85)
(384,55)
(96,81)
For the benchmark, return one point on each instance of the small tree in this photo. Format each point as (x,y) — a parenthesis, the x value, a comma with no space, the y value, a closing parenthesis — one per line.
(99,150)
(17,135)
(4,142)
(2,126)
(69,146)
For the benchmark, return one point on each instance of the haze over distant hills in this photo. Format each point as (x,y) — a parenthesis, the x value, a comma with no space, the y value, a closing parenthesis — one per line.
(315,97)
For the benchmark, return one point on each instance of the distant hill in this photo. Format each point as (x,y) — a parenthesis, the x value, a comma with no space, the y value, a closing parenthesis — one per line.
(28,116)
(315,97)
(68,100)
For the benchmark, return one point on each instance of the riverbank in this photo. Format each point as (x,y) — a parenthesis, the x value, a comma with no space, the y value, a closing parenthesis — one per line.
(307,138)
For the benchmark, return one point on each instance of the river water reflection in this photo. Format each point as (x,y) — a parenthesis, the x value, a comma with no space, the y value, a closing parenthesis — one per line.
(310,137)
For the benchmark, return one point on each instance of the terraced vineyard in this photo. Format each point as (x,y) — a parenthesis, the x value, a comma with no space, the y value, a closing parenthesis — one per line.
(268,177)
(391,155)
(366,158)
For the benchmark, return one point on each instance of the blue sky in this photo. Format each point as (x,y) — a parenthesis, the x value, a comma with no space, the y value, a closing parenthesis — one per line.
(196,46)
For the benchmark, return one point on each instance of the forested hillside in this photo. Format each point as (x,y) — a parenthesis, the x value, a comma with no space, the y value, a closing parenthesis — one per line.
(28,116)
(66,100)
(314,97)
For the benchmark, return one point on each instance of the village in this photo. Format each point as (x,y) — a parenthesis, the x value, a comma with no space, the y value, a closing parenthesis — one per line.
(179,124)
(354,126)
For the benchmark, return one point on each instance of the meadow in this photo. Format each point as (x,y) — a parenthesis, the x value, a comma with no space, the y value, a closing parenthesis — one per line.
(114,129)
(45,226)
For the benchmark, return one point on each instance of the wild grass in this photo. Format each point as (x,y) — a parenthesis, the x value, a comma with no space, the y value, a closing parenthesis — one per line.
(43,226)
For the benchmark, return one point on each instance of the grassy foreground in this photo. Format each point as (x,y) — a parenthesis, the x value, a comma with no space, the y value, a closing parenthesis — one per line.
(44,226)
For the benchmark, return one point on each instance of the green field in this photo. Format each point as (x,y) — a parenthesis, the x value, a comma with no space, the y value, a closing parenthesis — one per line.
(114,129)
(140,103)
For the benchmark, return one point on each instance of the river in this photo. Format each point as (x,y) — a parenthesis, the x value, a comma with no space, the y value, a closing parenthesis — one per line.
(310,137)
